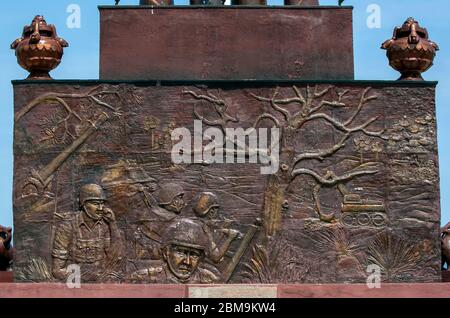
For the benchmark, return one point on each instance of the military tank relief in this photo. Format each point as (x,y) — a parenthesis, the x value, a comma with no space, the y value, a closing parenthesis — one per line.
(357,212)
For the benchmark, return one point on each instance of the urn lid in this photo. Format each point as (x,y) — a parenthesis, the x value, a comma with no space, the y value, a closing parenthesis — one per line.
(37,29)
(410,33)
(42,26)
(410,26)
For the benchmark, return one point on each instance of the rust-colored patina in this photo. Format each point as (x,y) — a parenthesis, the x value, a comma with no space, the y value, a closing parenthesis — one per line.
(410,51)
(39,50)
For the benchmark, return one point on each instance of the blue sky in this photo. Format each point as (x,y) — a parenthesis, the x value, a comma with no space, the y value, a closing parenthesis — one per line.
(81,62)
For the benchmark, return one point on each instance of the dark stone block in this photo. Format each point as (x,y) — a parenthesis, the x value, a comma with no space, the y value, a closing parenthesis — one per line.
(173,43)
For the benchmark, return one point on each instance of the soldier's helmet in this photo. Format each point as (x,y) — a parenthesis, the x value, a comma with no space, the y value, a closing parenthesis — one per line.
(187,233)
(91,192)
(168,192)
(205,202)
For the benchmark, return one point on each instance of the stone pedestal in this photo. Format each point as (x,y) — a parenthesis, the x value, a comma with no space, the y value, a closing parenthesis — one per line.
(232,42)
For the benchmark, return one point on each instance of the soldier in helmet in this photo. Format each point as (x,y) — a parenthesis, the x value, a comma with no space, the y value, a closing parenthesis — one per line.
(89,238)
(184,248)
(148,235)
(220,237)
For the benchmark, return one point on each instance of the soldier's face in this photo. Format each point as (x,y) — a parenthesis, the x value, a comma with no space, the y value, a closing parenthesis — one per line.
(182,261)
(94,209)
(177,204)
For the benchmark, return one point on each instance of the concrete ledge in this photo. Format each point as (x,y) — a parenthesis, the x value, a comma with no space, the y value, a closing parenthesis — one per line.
(233,291)
(48,290)
(429,290)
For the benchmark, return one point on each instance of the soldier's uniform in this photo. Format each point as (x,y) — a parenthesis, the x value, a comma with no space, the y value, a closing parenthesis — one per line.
(148,235)
(205,209)
(76,243)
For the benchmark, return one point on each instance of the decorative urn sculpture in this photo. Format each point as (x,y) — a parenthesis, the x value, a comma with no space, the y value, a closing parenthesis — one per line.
(39,50)
(410,51)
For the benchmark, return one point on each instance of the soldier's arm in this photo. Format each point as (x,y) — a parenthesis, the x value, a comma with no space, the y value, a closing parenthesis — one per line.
(223,248)
(116,248)
(60,251)
(218,251)
(213,250)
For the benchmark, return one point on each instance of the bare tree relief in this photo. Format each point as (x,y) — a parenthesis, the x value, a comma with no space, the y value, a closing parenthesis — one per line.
(311,104)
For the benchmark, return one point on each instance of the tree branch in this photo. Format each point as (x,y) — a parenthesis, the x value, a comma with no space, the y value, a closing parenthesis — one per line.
(320,155)
(220,108)
(273,102)
(334,179)
(327,103)
(362,102)
(269,116)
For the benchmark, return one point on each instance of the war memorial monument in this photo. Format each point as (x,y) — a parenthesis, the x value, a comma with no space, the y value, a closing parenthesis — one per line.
(209,154)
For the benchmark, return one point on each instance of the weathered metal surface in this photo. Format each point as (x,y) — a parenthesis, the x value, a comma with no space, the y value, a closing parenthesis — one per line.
(226,43)
(357,183)
(39,50)
(410,51)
